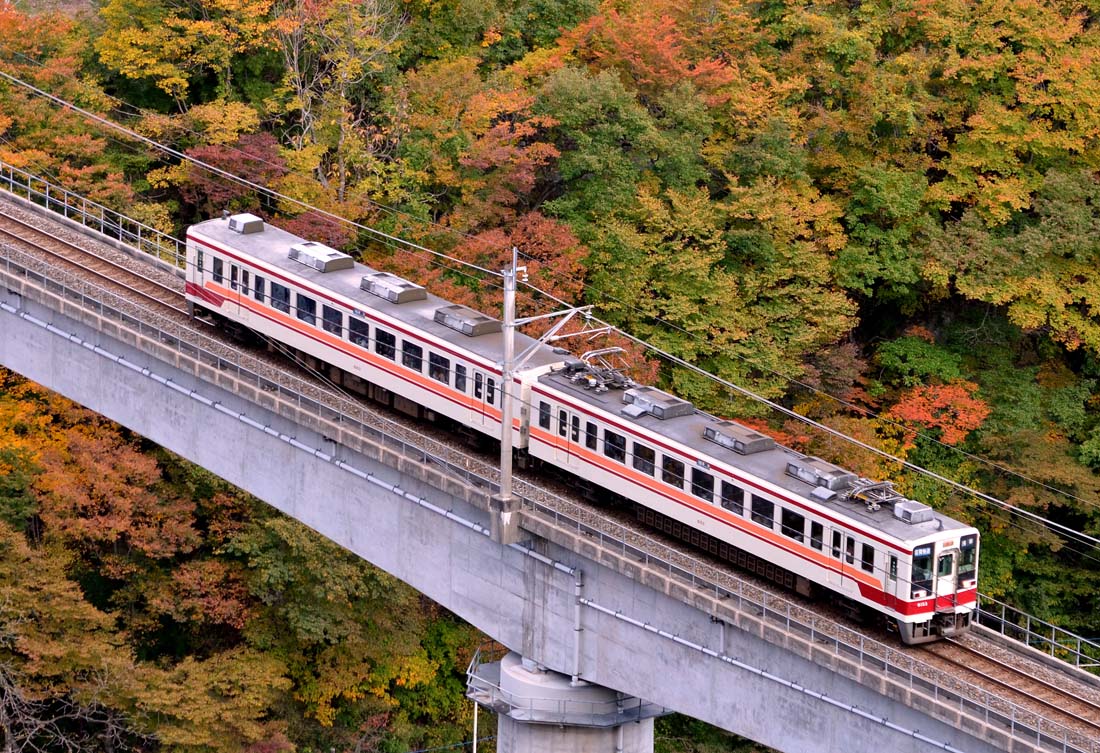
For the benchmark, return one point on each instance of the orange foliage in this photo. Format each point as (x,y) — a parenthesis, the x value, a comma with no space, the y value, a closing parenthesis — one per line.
(647,45)
(951,408)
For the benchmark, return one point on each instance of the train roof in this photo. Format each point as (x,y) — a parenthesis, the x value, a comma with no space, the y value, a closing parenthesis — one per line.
(325,268)
(743,449)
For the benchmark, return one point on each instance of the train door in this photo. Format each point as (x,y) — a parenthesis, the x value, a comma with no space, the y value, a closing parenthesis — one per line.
(562,451)
(944,575)
(835,577)
(486,401)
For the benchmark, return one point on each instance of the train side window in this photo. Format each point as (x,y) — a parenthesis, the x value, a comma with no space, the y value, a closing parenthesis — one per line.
(216,269)
(645,459)
(258,292)
(763,511)
(234,272)
(385,343)
(893,567)
(439,368)
(244,281)
(359,332)
(867,560)
(672,471)
(817,535)
(479,385)
(460,377)
(563,423)
(333,321)
(614,446)
(576,433)
(702,484)
(490,390)
(198,261)
(280,297)
(307,309)
(793,524)
(836,544)
(733,498)
(850,551)
(590,435)
(412,355)
(544,415)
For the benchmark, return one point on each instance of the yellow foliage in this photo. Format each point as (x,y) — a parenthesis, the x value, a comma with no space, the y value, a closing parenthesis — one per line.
(224,122)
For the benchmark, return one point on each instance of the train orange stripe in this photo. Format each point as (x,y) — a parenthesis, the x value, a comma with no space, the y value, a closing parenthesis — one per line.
(360,354)
(713,511)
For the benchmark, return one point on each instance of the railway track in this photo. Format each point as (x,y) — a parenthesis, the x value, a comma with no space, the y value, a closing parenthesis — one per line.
(1048,701)
(111,275)
(1059,701)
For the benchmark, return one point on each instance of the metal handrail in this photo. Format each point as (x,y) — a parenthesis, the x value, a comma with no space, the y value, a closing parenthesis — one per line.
(1039,634)
(92,215)
(868,653)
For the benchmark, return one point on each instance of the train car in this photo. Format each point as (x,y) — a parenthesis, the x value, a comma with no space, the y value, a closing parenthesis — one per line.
(720,485)
(810,525)
(370,332)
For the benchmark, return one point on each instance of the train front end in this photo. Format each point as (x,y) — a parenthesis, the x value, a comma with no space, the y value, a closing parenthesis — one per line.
(940,594)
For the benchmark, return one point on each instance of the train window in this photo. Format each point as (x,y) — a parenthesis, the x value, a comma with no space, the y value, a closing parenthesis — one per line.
(836,544)
(544,415)
(733,498)
(198,262)
(590,435)
(893,567)
(702,484)
(563,423)
(614,446)
(645,459)
(763,511)
(460,377)
(867,560)
(479,386)
(439,368)
(258,292)
(490,390)
(850,551)
(333,321)
(793,524)
(234,272)
(672,471)
(385,343)
(817,535)
(968,558)
(945,566)
(922,569)
(412,355)
(280,297)
(244,280)
(358,332)
(307,309)
(576,434)
(216,269)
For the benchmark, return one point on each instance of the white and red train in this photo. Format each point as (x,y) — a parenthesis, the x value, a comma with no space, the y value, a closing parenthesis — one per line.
(718,484)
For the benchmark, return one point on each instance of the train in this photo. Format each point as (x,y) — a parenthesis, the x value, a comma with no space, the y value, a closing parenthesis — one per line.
(718,484)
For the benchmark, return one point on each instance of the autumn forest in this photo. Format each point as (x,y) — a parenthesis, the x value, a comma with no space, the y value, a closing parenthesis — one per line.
(884,216)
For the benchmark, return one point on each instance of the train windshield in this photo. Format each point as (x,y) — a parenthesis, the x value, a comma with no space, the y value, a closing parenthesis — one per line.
(922,568)
(968,558)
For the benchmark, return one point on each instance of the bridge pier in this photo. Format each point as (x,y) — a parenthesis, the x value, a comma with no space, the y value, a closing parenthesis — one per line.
(542,711)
